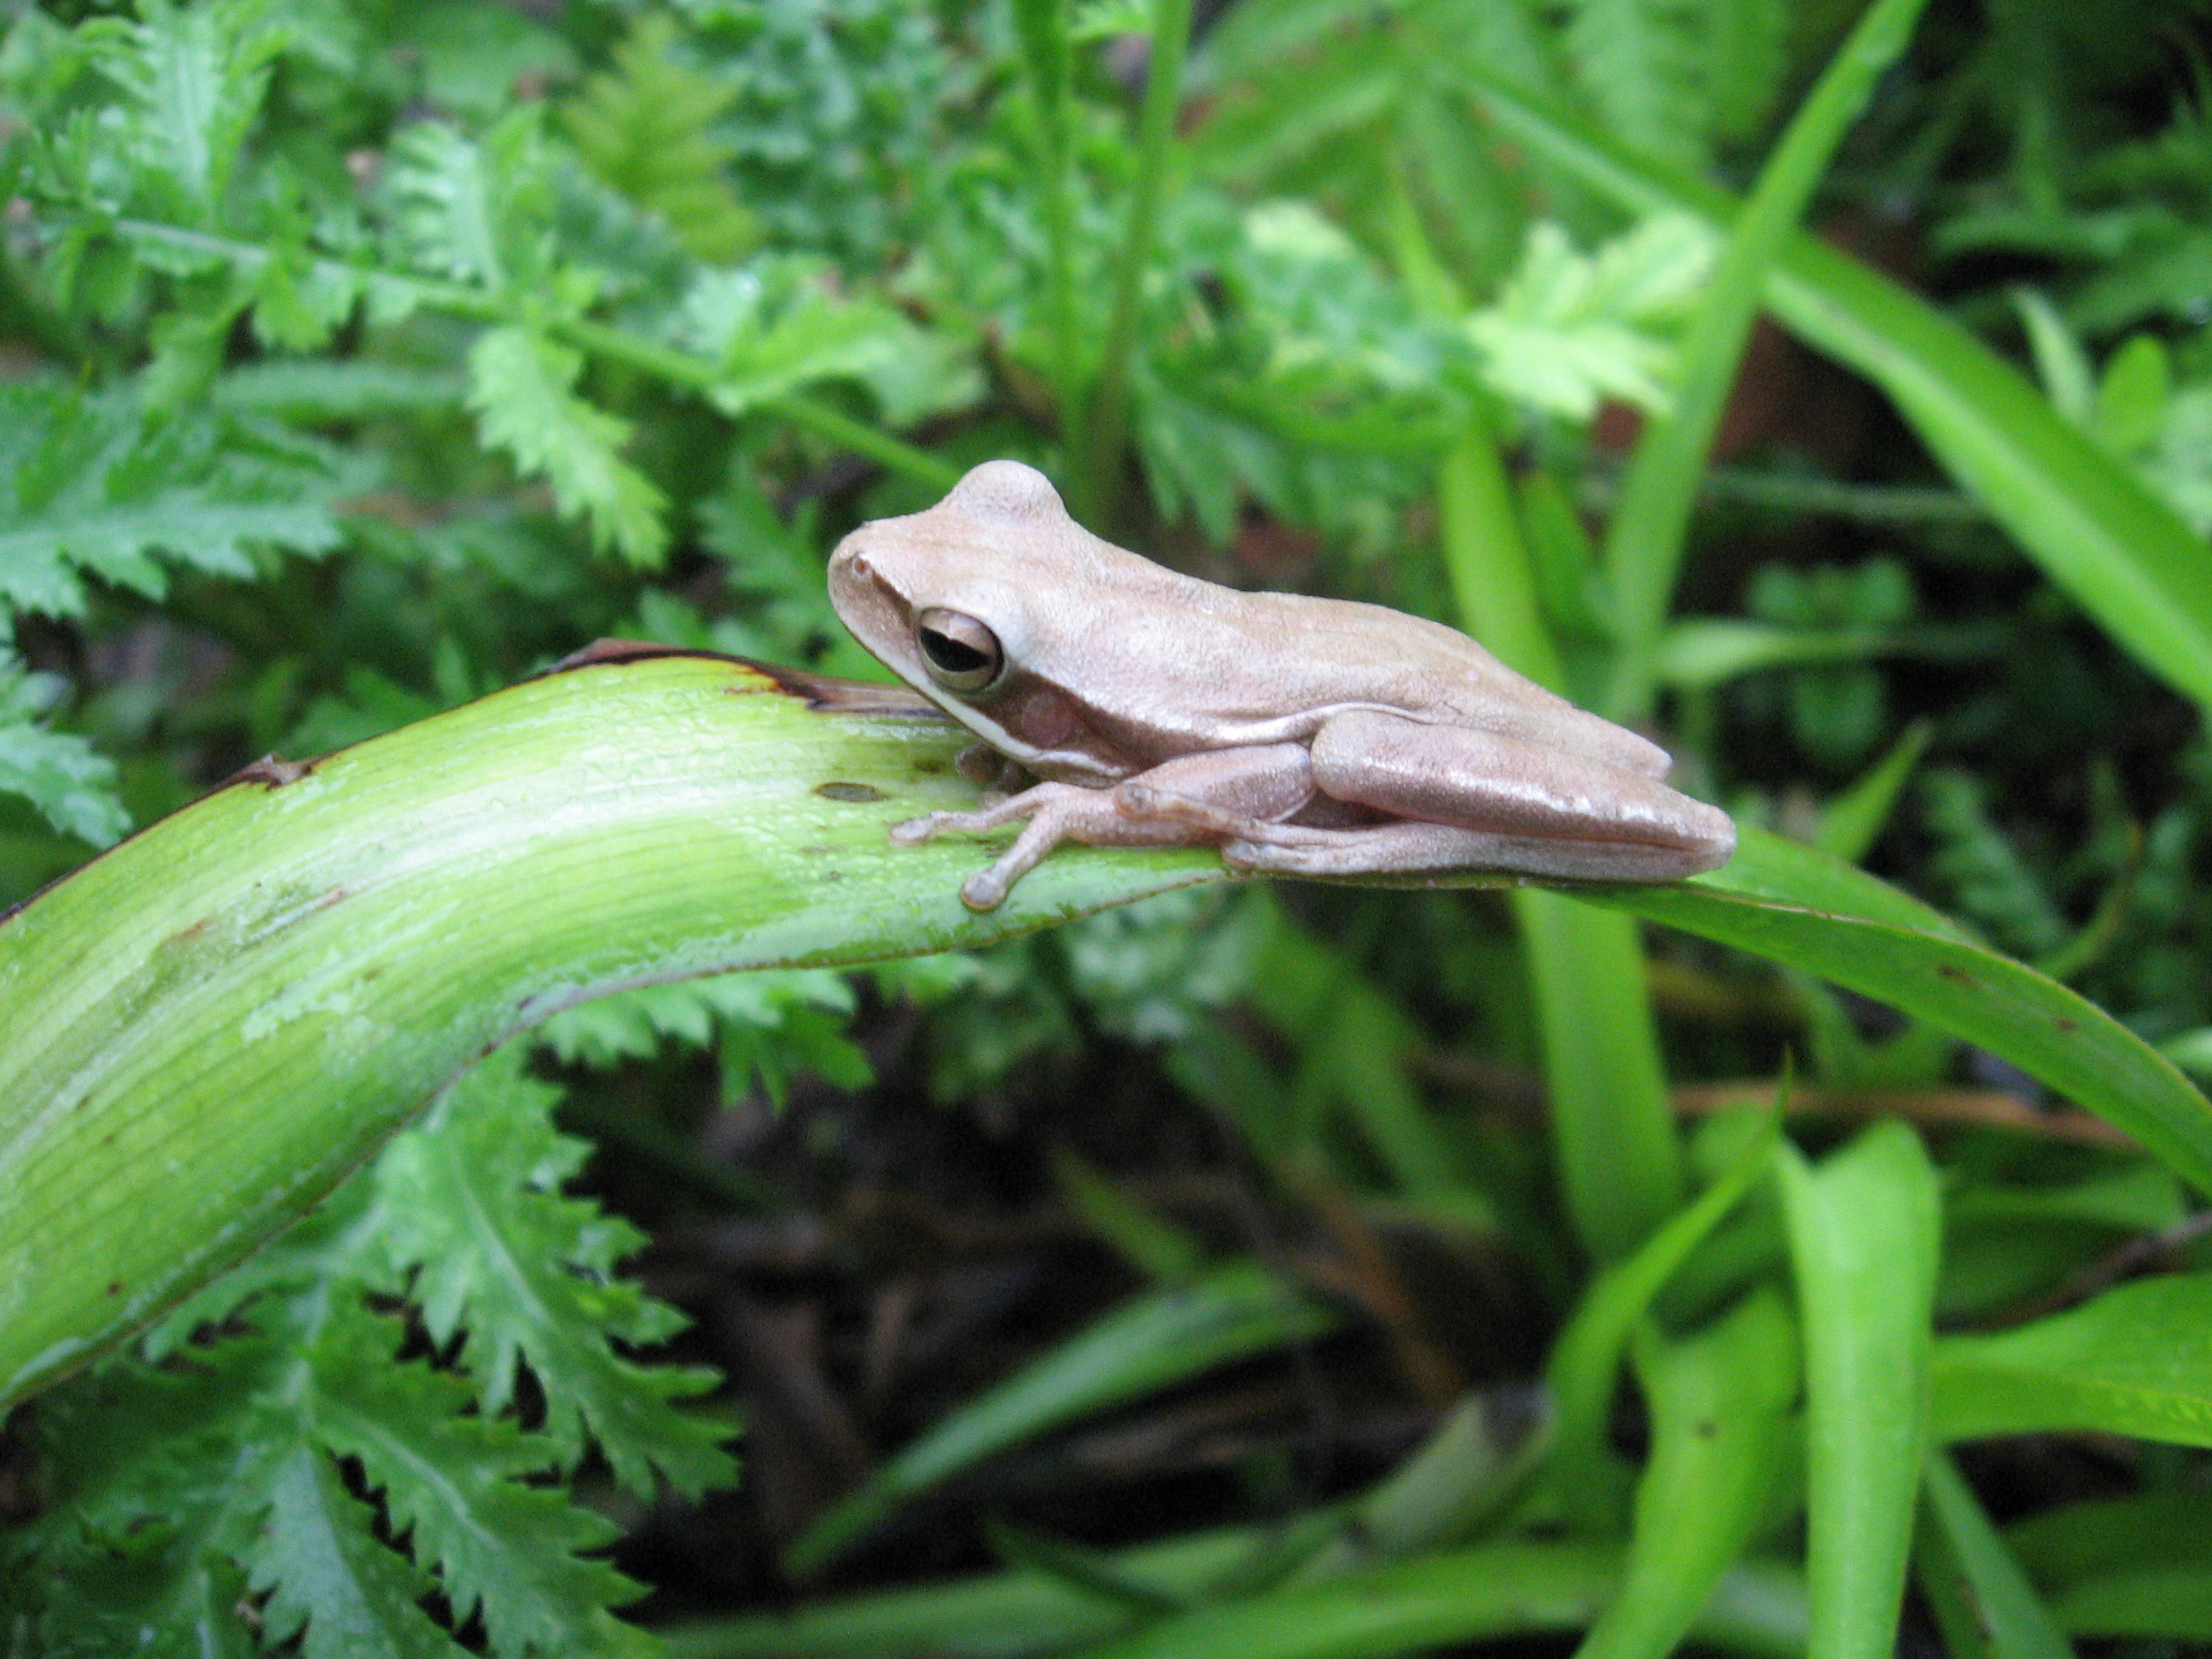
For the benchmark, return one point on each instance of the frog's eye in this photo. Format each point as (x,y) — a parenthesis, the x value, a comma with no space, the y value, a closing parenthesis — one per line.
(962,654)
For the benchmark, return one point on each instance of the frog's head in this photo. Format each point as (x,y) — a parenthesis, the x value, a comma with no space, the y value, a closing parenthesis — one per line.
(945,598)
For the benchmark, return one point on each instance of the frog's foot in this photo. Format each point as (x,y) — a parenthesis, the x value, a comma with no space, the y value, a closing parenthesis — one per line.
(1244,789)
(1056,812)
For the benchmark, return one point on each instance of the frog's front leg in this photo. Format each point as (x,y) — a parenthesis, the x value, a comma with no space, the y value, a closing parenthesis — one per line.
(1232,791)
(1467,798)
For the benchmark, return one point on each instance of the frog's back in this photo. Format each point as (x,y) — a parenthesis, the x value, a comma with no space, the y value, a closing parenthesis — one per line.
(1263,655)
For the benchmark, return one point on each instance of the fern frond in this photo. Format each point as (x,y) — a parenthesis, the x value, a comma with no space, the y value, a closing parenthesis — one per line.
(631,1024)
(476,1215)
(1670,76)
(328,1580)
(521,387)
(645,129)
(469,210)
(193,79)
(188,1479)
(1986,876)
(91,486)
(1568,329)
(775,325)
(69,782)
(1639,64)
(452,1482)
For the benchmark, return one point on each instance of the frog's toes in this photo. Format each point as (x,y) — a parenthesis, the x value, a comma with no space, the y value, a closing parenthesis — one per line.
(914,832)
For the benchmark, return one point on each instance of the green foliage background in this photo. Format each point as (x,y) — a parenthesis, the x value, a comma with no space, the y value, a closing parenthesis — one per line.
(359,358)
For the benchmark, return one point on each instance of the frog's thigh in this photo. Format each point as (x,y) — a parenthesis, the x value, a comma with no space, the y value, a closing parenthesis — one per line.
(1219,793)
(1530,808)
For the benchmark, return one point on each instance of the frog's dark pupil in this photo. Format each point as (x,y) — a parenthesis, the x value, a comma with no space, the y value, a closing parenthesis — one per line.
(950,655)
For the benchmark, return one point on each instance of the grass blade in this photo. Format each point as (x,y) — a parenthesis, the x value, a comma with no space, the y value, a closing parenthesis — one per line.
(2098,534)
(1983,1600)
(1757,1610)
(1495,1590)
(1158,1339)
(1108,425)
(2123,1566)
(1354,1040)
(2136,1361)
(1863,1245)
(1794,905)
(216,1021)
(1721,1404)
(1612,1130)
(1586,1360)
(1643,543)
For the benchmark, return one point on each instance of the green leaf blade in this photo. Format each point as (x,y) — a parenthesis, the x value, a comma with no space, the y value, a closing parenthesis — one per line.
(1797,906)
(1720,1404)
(350,939)
(1982,1600)
(2135,1361)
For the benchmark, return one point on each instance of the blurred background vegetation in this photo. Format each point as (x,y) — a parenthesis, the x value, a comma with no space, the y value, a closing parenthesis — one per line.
(359,357)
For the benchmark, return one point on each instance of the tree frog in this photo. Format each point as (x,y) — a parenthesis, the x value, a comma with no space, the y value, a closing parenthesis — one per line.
(1302,736)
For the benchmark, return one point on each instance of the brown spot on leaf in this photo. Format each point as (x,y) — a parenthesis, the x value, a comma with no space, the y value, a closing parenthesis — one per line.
(1957,976)
(826,695)
(620,651)
(115,1288)
(2068,1026)
(820,692)
(859,793)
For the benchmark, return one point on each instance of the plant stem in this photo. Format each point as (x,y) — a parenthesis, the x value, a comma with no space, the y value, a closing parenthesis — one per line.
(1042,26)
(615,345)
(1109,402)
(1612,1123)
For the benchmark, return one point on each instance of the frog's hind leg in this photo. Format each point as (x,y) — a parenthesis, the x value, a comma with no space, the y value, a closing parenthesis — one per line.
(1408,847)
(1516,805)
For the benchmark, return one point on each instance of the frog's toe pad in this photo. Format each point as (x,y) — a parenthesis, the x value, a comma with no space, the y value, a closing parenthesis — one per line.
(984,891)
(928,827)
